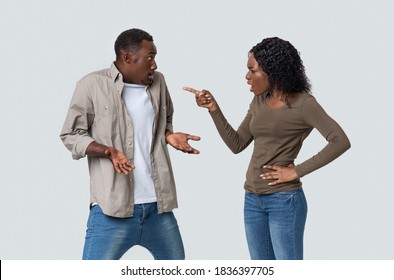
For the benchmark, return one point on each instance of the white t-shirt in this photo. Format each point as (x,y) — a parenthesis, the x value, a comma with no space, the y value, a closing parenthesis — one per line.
(140,109)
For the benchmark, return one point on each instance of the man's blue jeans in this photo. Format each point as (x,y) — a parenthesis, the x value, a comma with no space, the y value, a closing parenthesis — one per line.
(274,225)
(109,237)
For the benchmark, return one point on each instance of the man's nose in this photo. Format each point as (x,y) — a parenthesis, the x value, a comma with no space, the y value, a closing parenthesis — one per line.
(154,65)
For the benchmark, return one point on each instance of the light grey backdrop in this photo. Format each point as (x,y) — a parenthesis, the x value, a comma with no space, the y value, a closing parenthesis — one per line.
(347,48)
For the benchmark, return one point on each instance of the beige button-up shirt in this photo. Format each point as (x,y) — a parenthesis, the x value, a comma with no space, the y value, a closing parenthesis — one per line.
(97,113)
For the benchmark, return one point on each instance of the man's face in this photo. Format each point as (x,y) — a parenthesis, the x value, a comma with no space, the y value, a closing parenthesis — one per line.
(142,64)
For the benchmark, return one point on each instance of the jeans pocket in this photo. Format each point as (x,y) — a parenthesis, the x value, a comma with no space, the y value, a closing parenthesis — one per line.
(286,195)
(296,198)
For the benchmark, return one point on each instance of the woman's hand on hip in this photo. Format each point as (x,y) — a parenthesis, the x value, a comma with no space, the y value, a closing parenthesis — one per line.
(280,174)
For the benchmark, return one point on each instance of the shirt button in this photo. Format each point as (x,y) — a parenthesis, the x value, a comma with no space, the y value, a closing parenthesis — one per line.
(129,143)
(128,124)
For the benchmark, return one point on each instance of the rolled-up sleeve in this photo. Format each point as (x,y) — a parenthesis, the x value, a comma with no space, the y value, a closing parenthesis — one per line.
(75,133)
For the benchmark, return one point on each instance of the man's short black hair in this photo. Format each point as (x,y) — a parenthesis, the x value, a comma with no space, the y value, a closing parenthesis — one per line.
(130,40)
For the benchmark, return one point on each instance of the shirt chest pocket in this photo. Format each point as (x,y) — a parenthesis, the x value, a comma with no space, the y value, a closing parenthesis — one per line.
(106,116)
(105,110)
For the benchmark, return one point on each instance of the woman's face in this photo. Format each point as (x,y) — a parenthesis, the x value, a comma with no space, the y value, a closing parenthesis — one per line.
(256,77)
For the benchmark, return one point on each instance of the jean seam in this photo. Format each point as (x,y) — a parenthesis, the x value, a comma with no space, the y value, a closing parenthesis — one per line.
(92,223)
(294,202)
(152,252)
(300,202)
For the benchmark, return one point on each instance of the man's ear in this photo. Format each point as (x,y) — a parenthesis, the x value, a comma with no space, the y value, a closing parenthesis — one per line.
(127,57)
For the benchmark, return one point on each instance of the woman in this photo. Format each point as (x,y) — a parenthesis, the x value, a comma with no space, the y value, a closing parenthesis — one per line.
(281,115)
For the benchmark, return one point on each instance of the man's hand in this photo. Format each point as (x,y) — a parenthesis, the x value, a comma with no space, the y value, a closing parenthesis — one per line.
(179,141)
(281,174)
(119,161)
(203,98)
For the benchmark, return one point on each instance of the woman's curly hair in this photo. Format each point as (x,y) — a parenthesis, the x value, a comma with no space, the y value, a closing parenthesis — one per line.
(282,63)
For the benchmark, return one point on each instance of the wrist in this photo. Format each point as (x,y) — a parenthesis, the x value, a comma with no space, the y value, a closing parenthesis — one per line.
(168,133)
(213,108)
(108,151)
(97,149)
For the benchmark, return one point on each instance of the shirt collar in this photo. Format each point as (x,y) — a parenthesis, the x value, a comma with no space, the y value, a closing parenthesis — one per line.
(114,73)
(117,77)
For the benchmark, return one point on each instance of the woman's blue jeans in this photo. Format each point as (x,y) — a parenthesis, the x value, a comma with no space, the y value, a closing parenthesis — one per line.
(274,225)
(110,238)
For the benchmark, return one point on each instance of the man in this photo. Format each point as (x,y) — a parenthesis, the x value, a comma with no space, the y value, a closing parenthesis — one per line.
(121,118)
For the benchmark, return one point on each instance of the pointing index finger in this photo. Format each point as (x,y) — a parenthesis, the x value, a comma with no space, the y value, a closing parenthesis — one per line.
(192,90)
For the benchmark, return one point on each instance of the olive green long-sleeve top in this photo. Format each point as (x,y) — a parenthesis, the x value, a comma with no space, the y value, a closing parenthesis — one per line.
(278,135)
